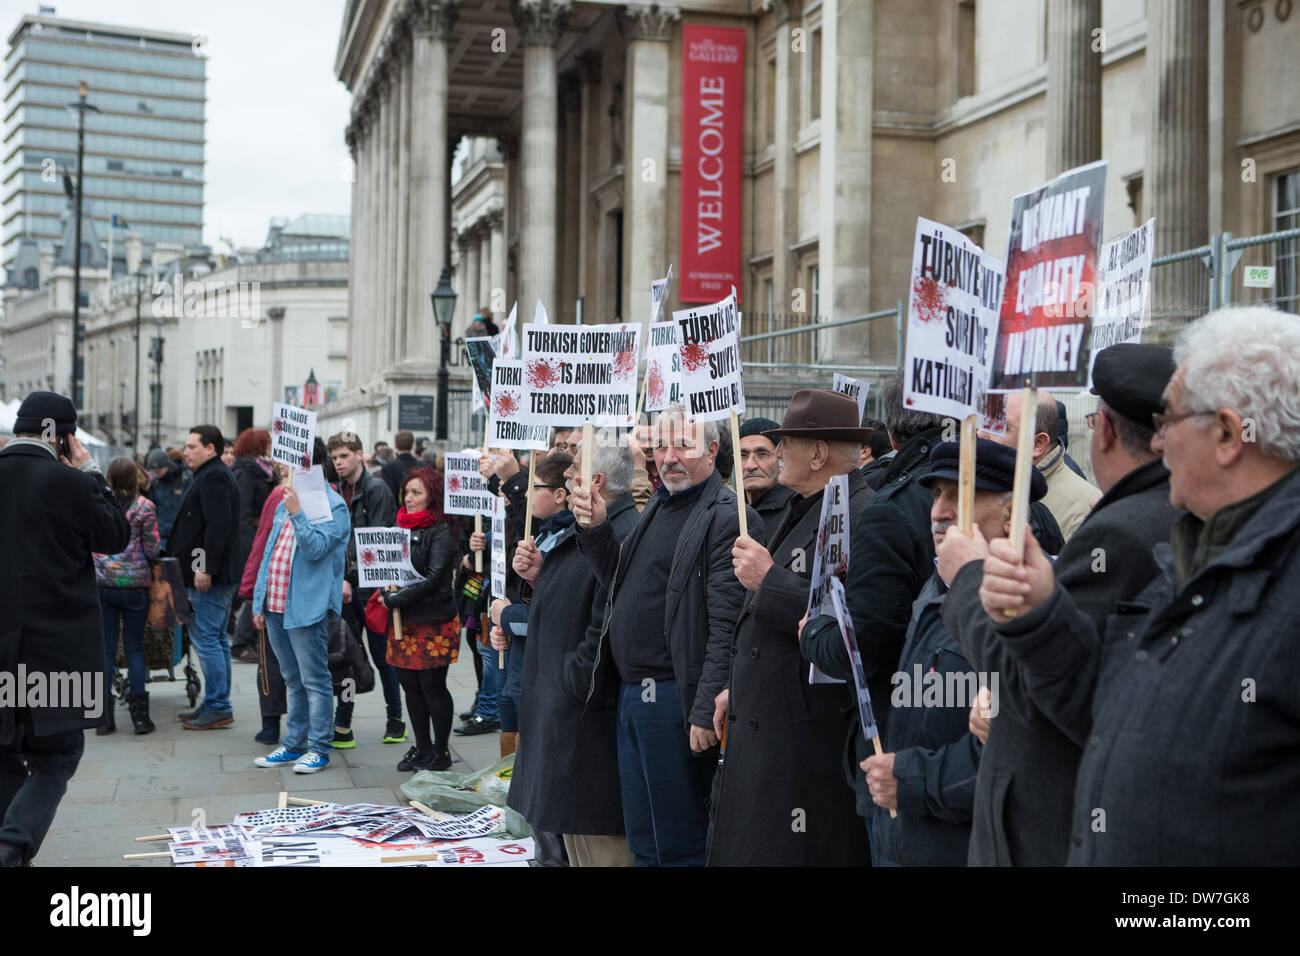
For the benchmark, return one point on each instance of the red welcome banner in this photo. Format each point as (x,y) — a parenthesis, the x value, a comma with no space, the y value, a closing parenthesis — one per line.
(713,94)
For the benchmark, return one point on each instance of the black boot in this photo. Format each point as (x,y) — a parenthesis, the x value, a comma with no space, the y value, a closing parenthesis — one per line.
(270,732)
(109,723)
(473,709)
(415,759)
(139,707)
(435,759)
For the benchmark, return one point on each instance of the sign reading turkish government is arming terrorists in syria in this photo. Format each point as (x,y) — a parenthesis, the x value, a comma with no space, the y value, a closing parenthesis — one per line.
(1051,275)
(708,340)
(579,374)
(464,491)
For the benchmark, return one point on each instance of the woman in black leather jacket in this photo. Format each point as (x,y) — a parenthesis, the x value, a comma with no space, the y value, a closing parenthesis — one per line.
(430,640)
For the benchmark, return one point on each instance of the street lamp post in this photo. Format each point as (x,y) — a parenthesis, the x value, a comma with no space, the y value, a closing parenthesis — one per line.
(444,306)
(81,106)
(139,293)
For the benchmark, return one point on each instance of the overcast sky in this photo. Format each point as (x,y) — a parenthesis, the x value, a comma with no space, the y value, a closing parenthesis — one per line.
(275,112)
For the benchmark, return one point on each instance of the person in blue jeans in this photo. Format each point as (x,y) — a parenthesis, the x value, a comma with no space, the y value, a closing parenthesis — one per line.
(299,589)
(205,539)
(487,715)
(124,580)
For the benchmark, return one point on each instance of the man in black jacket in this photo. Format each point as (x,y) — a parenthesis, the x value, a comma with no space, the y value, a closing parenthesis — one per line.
(785,736)
(371,505)
(171,479)
(394,471)
(673,604)
(205,539)
(55,511)
(760,469)
(1025,791)
(1187,703)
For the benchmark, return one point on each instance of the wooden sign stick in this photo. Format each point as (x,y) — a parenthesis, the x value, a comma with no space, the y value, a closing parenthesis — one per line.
(478,519)
(154,838)
(1024,472)
(640,404)
(305,802)
(528,508)
(736,477)
(147,856)
(966,478)
(283,801)
(430,812)
(501,655)
(397,618)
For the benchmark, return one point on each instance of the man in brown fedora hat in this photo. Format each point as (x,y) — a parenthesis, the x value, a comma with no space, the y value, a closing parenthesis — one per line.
(784,736)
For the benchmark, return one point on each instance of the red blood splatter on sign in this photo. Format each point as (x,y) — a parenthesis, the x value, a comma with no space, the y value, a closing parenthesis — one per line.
(453,484)
(655,384)
(406,551)
(306,462)
(929,302)
(507,403)
(542,373)
(695,355)
(624,363)
(368,557)
(277,426)
(842,570)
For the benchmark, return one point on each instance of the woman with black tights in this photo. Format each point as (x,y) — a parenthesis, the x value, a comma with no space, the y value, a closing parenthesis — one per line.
(430,640)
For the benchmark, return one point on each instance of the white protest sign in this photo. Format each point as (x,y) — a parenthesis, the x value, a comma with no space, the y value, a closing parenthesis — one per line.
(952,322)
(507,344)
(463,489)
(384,557)
(293,433)
(708,339)
(839,604)
(663,367)
(482,353)
(498,547)
(577,374)
(313,494)
(830,556)
(659,291)
(539,315)
(855,388)
(505,428)
(1123,290)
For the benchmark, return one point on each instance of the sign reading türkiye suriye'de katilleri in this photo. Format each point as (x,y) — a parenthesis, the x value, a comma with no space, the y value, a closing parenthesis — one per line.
(708,341)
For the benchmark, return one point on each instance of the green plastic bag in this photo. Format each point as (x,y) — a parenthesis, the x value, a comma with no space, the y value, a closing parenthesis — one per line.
(464,793)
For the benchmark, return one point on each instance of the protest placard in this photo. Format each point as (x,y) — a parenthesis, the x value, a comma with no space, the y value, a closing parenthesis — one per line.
(507,343)
(866,716)
(708,341)
(293,433)
(463,489)
(509,396)
(855,388)
(583,374)
(313,494)
(1051,274)
(952,322)
(1123,290)
(498,547)
(663,367)
(539,315)
(660,289)
(384,557)
(481,351)
(830,557)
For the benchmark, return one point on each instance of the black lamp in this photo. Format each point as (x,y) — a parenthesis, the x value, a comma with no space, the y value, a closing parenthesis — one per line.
(444,307)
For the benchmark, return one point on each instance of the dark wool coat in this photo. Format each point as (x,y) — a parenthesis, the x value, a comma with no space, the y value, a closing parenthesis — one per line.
(52,517)
(166,494)
(1025,791)
(433,554)
(209,519)
(785,738)
(771,507)
(254,488)
(566,768)
(704,597)
(1187,704)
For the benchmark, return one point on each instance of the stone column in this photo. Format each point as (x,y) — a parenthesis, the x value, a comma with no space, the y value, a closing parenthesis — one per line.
(401,196)
(590,65)
(1175,189)
(460,281)
(508,144)
(541,23)
(375,305)
(1073,84)
(573,203)
(470,290)
(496,222)
(648,28)
(352,136)
(785,174)
(484,263)
(431,25)
(383,329)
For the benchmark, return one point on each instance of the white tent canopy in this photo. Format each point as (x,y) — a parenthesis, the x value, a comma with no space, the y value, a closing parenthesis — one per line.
(9,415)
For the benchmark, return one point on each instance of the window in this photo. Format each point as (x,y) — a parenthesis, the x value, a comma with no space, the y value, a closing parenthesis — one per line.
(815,81)
(1286,252)
(965,48)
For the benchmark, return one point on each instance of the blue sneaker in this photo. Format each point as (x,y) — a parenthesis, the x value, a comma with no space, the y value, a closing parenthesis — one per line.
(311,763)
(278,757)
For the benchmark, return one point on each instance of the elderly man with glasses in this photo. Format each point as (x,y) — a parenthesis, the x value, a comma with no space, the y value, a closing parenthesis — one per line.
(760,469)
(1186,703)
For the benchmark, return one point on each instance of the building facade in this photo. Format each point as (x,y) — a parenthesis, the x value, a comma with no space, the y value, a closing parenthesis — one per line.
(144,149)
(858,116)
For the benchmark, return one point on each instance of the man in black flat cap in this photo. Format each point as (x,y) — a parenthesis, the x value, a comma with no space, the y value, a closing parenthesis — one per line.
(1025,790)
(779,798)
(927,773)
(759,470)
(55,511)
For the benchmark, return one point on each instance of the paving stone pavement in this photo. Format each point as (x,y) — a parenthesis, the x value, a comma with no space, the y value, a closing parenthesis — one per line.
(129,786)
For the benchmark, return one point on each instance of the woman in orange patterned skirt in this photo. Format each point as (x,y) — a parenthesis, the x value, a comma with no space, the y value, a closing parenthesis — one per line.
(430,639)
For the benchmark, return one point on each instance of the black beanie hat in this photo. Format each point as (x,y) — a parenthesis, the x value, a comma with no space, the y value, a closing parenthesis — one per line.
(40,407)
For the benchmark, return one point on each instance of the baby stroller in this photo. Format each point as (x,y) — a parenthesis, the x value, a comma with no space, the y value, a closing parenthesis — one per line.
(166,638)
